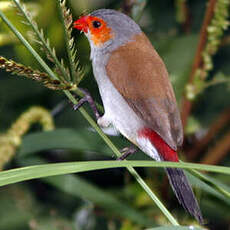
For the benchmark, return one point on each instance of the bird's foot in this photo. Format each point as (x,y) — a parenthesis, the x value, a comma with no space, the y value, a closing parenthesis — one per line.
(87,98)
(127,151)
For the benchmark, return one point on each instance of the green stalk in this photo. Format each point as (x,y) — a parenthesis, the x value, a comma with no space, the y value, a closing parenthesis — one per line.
(54,169)
(90,120)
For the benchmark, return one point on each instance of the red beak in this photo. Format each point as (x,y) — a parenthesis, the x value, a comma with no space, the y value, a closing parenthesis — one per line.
(81,24)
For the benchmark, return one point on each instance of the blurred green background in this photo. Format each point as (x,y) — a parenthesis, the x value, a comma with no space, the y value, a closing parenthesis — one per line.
(110,199)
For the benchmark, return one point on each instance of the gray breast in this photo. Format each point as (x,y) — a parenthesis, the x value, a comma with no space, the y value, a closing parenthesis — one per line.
(116,108)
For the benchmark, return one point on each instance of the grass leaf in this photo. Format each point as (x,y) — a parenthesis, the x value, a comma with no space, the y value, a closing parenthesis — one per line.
(39,171)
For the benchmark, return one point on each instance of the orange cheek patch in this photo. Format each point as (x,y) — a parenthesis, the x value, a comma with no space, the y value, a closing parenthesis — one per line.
(99,35)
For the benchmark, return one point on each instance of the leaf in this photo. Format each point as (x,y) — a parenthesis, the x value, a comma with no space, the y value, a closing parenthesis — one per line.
(86,141)
(53,169)
(81,140)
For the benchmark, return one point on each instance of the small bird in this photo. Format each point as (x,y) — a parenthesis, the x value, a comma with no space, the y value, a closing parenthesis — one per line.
(137,95)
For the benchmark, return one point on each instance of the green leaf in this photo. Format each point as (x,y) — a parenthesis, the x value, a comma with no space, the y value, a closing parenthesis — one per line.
(85,140)
(72,139)
(39,171)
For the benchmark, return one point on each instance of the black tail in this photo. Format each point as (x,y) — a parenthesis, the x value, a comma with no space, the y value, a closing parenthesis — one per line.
(183,192)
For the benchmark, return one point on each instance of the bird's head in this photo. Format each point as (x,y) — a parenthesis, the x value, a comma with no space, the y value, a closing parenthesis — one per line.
(107,28)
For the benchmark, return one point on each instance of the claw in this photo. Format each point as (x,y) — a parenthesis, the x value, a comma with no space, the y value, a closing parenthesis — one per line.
(127,151)
(87,98)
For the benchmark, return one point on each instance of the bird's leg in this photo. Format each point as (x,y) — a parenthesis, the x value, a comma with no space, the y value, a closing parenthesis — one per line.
(127,151)
(103,121)
(87,98)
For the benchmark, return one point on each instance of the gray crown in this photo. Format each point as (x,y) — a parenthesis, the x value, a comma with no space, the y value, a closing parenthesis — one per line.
(123,26)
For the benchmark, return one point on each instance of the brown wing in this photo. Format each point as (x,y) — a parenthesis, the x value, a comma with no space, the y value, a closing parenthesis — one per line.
(139,74)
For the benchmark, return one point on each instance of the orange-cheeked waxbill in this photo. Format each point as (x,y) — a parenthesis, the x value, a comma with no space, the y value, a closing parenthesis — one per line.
(136,92)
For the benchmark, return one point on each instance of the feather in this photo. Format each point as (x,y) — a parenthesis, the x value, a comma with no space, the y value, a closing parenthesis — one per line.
(183,192)
(140,76)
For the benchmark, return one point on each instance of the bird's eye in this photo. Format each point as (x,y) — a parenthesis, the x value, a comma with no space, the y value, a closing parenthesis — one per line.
(96,24)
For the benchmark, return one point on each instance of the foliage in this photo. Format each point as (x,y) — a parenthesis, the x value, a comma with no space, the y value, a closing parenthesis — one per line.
(109,198)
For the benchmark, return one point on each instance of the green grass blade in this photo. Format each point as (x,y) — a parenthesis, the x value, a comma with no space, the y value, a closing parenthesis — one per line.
(40,171)
(79,140)
(84,141)
(53,169)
